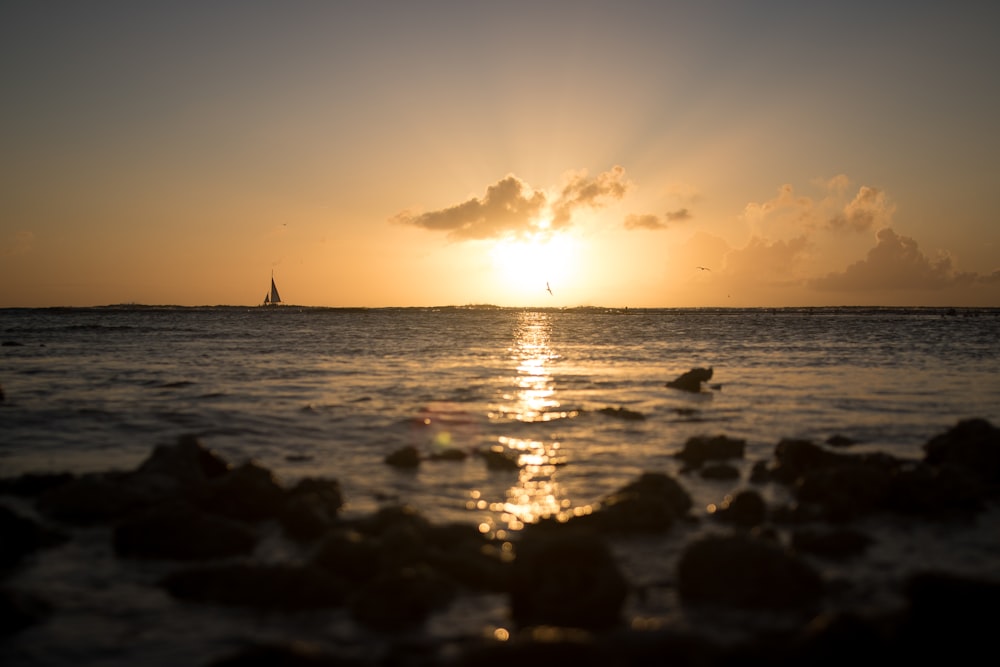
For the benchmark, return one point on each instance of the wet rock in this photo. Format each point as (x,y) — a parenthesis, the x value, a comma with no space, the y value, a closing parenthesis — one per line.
(248,492)
(948,618)
(623,413)
(311,508)
(31,485)
(280,587)
(187,462)
(746,572)
(651,503)
(501,459)
(20,610)
(719,471)
(566,577)
(839,441)
(837,544)
(402,598)
(297,654)
(349,555)
(93,498)
(21,537)
(973,445)
(699,449)
(179,531)
(745,509)
(691,380)
(405,457)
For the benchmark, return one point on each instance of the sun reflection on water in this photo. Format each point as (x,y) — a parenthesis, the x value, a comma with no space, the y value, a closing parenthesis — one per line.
(531,399)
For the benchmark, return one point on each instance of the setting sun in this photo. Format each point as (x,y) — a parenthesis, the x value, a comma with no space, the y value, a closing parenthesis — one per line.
(526,266)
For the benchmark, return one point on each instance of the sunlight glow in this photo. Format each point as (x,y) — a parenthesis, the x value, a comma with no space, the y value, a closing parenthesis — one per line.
(526,264)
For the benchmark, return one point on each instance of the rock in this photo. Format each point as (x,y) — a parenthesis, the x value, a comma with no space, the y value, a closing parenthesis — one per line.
(745,509)
(649,504)
(21,537)
(403,598)
(691,380)
(20,610)
(568,578)
(838,545)
(93,498)
(33,484)
(747,573)
(405,457)
(310,508)
(623,413)
(187,462)
(246,493)
(178,531)
(278,587)
(500,459)
(972,444)
(699,449)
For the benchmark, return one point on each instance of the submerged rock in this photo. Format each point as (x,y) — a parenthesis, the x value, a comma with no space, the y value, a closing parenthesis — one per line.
(691,380)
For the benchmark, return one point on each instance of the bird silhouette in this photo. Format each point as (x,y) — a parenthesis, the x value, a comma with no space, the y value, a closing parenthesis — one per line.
(703,268)
(547,288)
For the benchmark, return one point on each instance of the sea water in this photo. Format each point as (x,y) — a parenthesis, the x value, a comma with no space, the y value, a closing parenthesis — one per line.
(332,392)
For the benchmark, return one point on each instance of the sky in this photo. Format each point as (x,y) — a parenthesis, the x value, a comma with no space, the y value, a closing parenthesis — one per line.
(562,154)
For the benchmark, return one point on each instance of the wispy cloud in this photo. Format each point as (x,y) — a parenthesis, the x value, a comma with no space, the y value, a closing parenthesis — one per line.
(651,221)
(511,207)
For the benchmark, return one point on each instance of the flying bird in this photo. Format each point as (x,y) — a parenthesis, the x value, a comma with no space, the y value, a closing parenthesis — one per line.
(703,268)
(547,288)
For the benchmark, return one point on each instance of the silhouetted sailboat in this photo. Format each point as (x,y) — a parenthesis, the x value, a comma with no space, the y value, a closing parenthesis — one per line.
(272,298)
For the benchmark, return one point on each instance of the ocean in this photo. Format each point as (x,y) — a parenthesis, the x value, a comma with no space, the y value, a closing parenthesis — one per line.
(577,395)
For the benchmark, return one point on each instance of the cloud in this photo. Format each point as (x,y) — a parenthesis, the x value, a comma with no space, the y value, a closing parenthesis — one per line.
(870,208)
(896,262)
(510,207)
(18,243)
(650,221)
(580,191)
(766,262)
(647,221)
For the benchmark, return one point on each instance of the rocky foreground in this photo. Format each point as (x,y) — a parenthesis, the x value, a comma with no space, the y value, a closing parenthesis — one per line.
(392,570)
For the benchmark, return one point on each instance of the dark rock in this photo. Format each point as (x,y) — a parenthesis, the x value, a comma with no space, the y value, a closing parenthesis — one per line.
(973,445)
(285,655)
(691,380)
(93,498)
(247,493)
(845,491)
(719,471)
(745,509)
(746,572)
(839,441)
(12,343)
(405,457)
(33,484)
(936,492)
(948,618)
(566,577)
(651,503)
(839,544)
(402,598)
(549,646)
(21,537)
(623,413)
(178,531)
(699,449)
(311,508)
(20,610)
(501,459)
(187,462)
(350,556)
(273,587)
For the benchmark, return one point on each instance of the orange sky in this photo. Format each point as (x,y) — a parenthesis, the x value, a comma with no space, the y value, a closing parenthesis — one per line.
(417,154)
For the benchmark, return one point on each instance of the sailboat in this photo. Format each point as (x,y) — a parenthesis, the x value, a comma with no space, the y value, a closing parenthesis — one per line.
(272,298)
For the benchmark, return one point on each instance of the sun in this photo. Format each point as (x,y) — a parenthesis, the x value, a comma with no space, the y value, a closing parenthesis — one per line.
(526,265)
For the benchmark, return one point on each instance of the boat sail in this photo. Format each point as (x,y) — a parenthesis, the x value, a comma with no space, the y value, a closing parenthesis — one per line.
(272,298)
